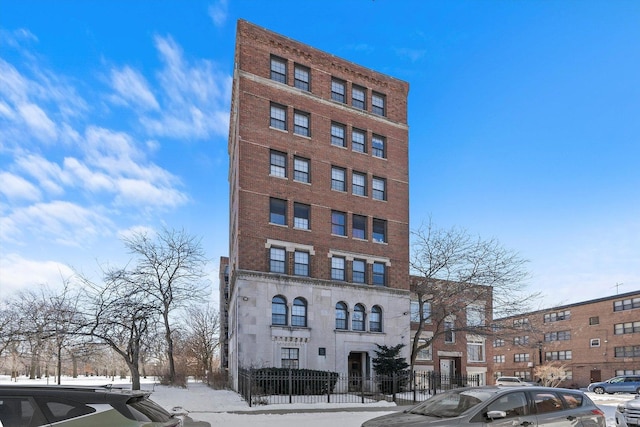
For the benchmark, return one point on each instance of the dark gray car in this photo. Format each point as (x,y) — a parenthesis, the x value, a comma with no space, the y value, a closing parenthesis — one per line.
(499,407)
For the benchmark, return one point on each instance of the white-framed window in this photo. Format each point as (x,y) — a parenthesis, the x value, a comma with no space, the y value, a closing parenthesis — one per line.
(301,216)
(337,268)
(338,90)
(301,124)
(301,77)
(378,102)
(379,186)
(301,263)
(278,164)
(358,140)
(475,350)
(338,135)
(475,315)
(359,183)
(449,332)
(277,260)
(375,319)
(425,353)
(338,180)
(594,342)
(301,170)
(278,117)
(279,69)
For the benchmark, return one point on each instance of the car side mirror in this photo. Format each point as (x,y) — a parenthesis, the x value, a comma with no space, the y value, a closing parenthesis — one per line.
(496,415)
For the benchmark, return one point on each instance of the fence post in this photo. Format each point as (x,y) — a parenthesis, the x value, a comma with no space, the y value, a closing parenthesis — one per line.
(415,386)
(249,385)
(290,386)
(361,388)
(328,387)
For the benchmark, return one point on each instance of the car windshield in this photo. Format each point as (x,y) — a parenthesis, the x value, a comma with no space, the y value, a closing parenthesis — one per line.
(452,403)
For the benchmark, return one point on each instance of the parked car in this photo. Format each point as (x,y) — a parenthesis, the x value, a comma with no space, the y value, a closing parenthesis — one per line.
(499,406)
(28,406)
(510,381)
(628,413)
(620,384)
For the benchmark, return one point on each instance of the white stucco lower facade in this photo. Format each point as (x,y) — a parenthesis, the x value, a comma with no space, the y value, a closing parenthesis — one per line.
(254,341)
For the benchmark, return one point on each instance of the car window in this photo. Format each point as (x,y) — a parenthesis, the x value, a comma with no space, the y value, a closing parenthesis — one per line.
(59,409)
(513,404)
(146,410)
(19,412)
(572,400)
(547,402)
(451,403)
(616,380)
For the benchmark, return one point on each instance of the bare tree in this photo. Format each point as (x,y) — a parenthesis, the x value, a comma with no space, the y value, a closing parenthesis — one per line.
(203,323)
(120,315)
(455,273)
(551,374)
(9,328)
(171,268)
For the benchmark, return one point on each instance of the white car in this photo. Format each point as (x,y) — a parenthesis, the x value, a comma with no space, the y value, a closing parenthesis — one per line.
(628,413)
(510,381)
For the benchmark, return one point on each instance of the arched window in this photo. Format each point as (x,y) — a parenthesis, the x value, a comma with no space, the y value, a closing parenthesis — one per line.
(299,312)
(357,322)
(375,319)
(278,310)
(341,315)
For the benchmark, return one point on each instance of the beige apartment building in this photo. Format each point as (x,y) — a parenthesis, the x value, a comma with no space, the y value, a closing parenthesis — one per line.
(318,267)
(594,340)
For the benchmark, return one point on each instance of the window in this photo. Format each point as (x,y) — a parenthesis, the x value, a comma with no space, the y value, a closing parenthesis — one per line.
(377,104)
(627,351)
(499,359)
(475,350)
(278,211)
(626,304)
(521,341)
(595,320)
(449,334)
(555,317)
(301,263)
(338,179)
(278,164)
(337,268)
(375,319)
(626,328)
(23,411)
(301,170)
(337,135)
(475,315)
(498,342)
(358,97)
(357,322)
(338,223)
(594,342)
(379,273)
(557,336)
(359,227)
(289,358)
(358,140)
(301,77)
(278,117)
(277,258)
(415,311)
(513,405)
(301,216)
(425,353)
(558,355)
(358,271)
(341,315)
(278,69)
(547,402)
(299,312)
(379,186)
(301,123)
(278,310)
(359,183)
(523,375)
(338,90)
(379,230)
(377,146)
(521,323)
(521,357)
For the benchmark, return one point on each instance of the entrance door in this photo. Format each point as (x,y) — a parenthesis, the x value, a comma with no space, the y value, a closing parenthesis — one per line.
(447,368)
(596,376)
(355,371)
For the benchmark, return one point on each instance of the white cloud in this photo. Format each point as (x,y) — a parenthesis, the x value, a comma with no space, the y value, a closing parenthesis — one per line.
(19,272)
(36,119)
(144,193)
(218,12)
(133,89)
(15,187)
(49,175)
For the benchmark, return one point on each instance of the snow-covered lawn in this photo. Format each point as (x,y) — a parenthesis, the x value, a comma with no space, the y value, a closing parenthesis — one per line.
(224,407)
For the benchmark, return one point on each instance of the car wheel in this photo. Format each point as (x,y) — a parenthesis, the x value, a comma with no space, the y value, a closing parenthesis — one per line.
(598,390)
(638,390)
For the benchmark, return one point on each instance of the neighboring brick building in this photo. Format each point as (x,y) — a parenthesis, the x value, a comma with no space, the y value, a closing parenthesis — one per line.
(319,208)
(594,339)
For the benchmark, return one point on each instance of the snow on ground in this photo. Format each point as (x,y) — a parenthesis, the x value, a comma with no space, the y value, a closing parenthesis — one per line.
(225,407)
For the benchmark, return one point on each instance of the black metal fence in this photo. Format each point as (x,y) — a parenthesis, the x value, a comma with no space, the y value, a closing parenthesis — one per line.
(263,388)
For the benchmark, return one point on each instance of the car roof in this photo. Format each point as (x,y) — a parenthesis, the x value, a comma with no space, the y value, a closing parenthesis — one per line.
(103,393)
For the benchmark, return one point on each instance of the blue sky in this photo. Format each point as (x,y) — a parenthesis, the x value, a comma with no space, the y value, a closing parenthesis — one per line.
(524,125)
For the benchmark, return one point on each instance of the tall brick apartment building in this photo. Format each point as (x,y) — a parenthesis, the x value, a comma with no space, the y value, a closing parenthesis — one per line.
(319,208)
(595,340)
